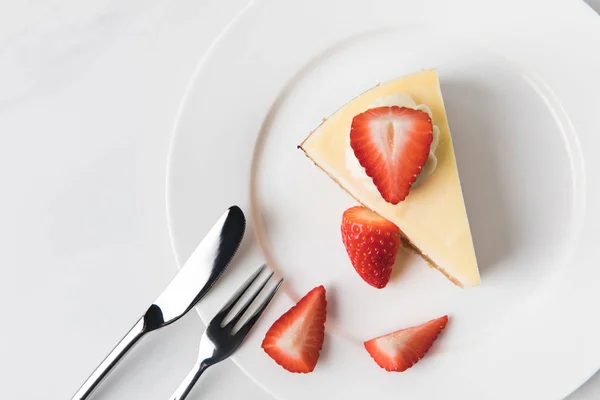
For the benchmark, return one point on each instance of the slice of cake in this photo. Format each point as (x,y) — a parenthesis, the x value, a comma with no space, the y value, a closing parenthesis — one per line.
(371,146)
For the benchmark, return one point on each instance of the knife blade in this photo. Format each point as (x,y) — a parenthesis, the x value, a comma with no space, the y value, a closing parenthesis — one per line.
(199,273)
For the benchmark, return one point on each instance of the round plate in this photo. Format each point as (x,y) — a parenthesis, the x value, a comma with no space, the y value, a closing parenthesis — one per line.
(521,88)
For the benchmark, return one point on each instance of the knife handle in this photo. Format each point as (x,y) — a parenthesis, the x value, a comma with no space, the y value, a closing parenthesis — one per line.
(131,338)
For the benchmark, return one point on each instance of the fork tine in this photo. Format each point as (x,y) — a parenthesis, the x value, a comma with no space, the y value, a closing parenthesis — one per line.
(236,296)
(246,306)
(243,331)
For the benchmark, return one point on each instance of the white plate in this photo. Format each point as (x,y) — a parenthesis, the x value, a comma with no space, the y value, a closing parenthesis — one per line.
(522,89)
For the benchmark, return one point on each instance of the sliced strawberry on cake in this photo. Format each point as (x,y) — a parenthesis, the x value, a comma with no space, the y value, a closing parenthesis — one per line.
(392,145)
(295,339)
(372,243)
(400,350)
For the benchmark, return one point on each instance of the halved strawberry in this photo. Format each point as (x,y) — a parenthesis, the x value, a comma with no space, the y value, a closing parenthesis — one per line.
(372,243)
(295,339)
(392,145)
(400,350)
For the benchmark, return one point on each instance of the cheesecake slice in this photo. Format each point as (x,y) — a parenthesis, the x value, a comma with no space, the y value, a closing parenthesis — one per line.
(432,217)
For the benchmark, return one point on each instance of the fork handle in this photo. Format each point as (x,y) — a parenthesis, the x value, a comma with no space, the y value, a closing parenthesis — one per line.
(190,380)
(111,360)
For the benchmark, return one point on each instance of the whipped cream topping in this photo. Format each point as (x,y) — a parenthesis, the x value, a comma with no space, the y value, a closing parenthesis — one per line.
(400,100)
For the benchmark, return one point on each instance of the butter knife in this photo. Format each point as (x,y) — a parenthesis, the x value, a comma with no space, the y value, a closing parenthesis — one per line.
(192,282)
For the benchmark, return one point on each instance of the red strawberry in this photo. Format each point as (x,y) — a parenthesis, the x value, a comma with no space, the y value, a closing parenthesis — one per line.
(372,243)
(400,350)
(295,339)
(392,145)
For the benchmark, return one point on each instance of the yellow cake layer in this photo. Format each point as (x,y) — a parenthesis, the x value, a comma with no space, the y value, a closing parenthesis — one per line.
(433,216)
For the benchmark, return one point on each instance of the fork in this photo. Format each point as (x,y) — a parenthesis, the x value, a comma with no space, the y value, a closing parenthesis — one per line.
(219,340)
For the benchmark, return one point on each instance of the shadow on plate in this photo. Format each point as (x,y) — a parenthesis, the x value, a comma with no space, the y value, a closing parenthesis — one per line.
(473,132)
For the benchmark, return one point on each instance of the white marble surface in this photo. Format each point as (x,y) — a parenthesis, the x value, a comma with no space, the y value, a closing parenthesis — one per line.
(88,96)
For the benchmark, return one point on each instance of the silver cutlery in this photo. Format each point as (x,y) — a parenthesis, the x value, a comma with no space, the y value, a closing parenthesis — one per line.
(192,282)
(220,339)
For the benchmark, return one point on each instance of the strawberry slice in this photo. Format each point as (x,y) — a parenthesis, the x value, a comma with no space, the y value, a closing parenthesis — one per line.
(295,339)
(400,350)
(372,243)
(392,145)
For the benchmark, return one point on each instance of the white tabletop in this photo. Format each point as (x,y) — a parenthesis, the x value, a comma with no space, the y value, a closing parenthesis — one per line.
(88,96)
